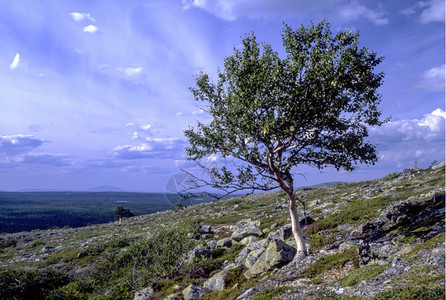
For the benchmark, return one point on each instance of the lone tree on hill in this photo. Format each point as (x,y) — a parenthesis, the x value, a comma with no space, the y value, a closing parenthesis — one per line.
(313,107)
(121,212)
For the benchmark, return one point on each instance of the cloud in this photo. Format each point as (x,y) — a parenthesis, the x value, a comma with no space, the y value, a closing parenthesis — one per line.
(132,71)
(145,127)
(230,10)
(77,16)
(355,11)
(433,79)
(15,62)
(90,29)
(427,11)
(46,159)
(152,148)
(403,141)
(17,144)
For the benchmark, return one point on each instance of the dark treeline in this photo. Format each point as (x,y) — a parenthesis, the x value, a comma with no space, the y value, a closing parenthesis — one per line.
(25,211)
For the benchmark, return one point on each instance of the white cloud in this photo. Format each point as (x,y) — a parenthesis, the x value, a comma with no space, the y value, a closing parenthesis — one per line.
(81,16)
(16,144)
(427,11)
(15,62)
(433,79)
(403,141)
(231,10)
(90,29)
(145,127)
(355,11)
(179,113)
(132,71)
(158,148)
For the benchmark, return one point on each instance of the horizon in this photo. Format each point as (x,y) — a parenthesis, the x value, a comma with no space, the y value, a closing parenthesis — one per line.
(96,94)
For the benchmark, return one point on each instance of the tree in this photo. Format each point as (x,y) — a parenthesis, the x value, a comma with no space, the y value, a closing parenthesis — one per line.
(314,107)
(121,212)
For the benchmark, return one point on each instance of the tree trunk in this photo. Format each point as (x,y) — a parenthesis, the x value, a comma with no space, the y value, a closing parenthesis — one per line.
(120,221)
(295,226)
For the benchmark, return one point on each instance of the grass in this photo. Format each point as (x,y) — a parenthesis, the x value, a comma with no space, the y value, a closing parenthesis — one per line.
(333,261)
(413,255)
(412,293)
(360,274)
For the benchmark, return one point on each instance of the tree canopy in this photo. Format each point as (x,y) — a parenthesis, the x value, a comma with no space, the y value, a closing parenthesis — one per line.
(312,107)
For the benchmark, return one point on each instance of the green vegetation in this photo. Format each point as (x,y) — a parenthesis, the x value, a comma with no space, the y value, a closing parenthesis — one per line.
(333,262)
(412,293)
(30,284)
(360,274)
(272,293)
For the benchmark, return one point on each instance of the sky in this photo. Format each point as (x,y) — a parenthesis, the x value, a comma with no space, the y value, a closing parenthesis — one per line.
(97,93)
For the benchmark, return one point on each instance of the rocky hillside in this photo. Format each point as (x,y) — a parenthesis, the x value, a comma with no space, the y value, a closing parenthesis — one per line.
(379,239)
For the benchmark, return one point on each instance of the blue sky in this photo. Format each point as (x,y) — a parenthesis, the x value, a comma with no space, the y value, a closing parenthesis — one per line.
(96,92)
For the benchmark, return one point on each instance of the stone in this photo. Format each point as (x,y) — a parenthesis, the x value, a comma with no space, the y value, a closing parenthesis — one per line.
(144,294)
(241,233)
(226,242)
(252,257)
(216,282)
(282,233)
(193,292)
(176,296)
(47,248)
(277,254)
(205,228)
(248,240)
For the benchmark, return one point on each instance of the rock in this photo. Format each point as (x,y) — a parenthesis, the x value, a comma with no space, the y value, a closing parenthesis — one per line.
(438,166)
(365,254)
(226,242)
(47,248)
(283,233)
(242,232)
(193,292)
(176,296)
(199,252)
(205,228)
(216,282)
(144,294)
(277,254)
(280,207)
(252,257)
(247,293)
(306,221)
(248,240)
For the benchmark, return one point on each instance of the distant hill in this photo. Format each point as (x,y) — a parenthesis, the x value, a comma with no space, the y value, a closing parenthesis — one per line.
(106,188)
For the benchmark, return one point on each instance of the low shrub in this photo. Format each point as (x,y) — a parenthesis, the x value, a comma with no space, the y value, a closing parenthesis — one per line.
(26,284)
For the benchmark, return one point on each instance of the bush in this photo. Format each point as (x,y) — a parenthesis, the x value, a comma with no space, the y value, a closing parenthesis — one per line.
(412,293)
(26,284)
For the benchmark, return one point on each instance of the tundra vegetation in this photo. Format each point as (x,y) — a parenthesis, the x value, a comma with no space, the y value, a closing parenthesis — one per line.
(271,114)
(377,239)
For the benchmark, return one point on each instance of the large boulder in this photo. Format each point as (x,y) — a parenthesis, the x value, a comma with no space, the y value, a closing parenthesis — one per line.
(216,282)
(242,232)
(277,254)
(193,292)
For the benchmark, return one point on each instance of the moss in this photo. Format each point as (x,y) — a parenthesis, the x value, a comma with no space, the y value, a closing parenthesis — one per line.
(421,276)
(412,293)
(333,261)
(360,274)
(272,293)
(413,255)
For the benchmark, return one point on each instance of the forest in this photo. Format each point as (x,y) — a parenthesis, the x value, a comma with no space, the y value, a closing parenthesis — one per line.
(25,211)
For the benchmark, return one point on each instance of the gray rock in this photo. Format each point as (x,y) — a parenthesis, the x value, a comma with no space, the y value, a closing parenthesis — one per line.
(226,242)
(47,248)
(243,232)
(193,292)
(216,282)
(276,255)
(205,228)
(144,294)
